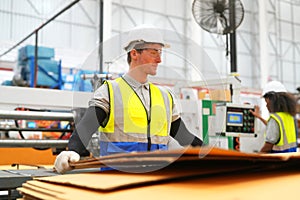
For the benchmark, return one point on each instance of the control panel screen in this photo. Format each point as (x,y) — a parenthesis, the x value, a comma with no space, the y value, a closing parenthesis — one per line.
(234,119)
(239,120)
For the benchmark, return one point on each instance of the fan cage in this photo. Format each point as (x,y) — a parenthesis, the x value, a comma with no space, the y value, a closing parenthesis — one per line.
(218,16)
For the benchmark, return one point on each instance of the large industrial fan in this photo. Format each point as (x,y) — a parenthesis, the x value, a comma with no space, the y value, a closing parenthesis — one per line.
(218,16)
(221,17)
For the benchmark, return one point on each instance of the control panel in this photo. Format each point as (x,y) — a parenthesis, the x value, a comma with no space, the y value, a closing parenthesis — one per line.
(239,120)
(235,120)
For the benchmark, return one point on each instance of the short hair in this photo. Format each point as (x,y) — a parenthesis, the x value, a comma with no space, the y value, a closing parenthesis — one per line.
(282,102)
(129,57)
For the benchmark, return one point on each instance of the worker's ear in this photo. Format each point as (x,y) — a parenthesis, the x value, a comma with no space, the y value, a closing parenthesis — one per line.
(133,53)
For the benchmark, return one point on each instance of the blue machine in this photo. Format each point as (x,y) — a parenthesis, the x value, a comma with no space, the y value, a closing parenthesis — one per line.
(49,72)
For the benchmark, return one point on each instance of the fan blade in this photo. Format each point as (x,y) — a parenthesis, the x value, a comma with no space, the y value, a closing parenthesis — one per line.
(214,15)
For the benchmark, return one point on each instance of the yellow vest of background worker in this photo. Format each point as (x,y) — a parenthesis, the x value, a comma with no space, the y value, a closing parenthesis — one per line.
(131,126)
(288,138)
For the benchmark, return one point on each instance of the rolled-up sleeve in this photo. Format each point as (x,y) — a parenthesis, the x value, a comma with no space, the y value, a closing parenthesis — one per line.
(176,106)
(272,132)
(101,98)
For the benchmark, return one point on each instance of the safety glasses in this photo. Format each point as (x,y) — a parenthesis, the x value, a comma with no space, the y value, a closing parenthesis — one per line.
(152,51)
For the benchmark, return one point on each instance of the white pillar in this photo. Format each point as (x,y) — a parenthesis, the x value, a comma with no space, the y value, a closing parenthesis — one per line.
(264,56)
(107,19)
(263,41)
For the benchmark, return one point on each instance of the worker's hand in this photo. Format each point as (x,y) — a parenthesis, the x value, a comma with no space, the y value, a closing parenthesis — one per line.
(256,111)
(61,164)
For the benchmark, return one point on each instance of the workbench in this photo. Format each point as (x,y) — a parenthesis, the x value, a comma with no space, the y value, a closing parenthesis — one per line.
(11,179)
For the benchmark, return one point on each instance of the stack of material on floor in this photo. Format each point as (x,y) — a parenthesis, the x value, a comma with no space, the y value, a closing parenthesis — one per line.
(191,173)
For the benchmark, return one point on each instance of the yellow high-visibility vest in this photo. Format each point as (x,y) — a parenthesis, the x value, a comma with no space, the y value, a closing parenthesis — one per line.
(288,138)
(128,120)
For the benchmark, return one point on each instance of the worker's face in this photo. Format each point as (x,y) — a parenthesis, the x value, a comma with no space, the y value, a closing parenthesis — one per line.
(148,58)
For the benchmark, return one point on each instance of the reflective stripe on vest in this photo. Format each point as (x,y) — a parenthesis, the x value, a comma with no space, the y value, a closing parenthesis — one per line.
(287,131)
(128,119)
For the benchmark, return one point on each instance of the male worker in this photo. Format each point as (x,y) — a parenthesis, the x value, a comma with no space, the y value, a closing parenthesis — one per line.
(281,131)
(132,113)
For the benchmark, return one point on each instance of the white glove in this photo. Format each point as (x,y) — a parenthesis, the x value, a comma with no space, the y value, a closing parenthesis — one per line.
(61,163)
(173,144)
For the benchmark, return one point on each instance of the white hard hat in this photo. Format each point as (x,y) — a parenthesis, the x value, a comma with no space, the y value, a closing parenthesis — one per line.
(273,86)
(143,34)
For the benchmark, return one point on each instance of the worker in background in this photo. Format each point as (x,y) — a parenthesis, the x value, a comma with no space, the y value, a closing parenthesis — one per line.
(131,113)
(281,133)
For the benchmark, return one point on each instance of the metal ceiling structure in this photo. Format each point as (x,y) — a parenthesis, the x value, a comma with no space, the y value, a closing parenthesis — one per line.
(79,32)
